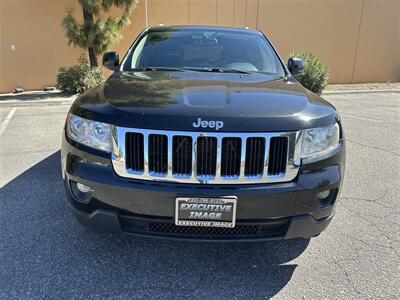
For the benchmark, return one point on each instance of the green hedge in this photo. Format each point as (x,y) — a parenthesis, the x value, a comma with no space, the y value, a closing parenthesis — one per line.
(316,73)
(79,78)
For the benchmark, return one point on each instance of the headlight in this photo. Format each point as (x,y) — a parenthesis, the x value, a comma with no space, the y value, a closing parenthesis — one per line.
(319,142)
(90,133)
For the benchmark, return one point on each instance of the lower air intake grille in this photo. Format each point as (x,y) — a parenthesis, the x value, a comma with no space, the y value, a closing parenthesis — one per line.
(134,151)
(206,156)
(139,225)
(173,229)
(278,152)
(158,153)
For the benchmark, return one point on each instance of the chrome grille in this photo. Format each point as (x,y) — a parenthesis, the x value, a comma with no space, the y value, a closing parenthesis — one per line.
(200,157)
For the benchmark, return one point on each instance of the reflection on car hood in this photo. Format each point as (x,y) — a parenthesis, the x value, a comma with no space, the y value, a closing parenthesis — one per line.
(174,100)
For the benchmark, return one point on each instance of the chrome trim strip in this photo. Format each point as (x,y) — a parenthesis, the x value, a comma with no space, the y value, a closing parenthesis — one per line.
(219,151)
(145,153)
(266,158)
(118,157)
(243,159)
(170,145)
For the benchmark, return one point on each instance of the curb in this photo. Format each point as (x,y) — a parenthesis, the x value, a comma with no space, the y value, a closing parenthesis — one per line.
(361,91)
(36,102)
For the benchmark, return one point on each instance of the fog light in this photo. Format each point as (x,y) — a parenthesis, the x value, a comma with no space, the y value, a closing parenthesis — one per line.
(81,192)
(83,188)
(323,195)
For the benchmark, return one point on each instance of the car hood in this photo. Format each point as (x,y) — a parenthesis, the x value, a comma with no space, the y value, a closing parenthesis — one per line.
(174,100)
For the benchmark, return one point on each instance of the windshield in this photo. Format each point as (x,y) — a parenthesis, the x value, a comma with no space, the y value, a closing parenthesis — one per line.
(204,50)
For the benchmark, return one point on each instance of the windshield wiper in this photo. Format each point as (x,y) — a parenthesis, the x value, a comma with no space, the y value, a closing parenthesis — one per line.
(238,71)
(211,70)
(157,69)
(242,71)
(219,70)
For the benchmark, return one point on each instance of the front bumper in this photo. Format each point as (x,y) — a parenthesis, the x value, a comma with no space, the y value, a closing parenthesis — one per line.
(111,221)
(264,211)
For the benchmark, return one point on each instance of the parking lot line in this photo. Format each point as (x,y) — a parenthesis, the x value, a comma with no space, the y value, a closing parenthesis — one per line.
(4,125)
(362,118)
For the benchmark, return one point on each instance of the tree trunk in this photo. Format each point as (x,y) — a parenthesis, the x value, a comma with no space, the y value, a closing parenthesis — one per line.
(88,19)
(92,58)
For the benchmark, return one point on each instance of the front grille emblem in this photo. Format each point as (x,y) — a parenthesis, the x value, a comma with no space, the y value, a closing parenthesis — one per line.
(210,124)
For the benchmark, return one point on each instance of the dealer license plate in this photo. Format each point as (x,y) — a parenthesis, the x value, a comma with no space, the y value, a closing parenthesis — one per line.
(208,212)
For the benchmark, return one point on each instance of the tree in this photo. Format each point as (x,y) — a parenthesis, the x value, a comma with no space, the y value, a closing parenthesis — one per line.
(97,33)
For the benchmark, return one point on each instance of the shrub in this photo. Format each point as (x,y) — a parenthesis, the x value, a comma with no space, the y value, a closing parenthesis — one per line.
(79,78)
(316,73)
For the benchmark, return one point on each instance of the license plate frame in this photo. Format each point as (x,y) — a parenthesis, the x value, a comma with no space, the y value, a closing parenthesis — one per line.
(196,215)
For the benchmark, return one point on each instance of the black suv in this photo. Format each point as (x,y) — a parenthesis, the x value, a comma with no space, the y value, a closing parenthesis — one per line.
(203,133)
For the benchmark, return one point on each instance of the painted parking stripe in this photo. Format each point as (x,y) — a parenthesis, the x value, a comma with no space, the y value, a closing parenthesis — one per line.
(362,118)
(4,125)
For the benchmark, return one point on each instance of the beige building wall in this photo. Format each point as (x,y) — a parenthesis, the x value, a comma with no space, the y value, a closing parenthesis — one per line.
(358,39)
(34,28)
(378,49)
(329,29)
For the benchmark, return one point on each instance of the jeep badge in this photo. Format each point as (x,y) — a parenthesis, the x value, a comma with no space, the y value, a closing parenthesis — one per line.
(210,124)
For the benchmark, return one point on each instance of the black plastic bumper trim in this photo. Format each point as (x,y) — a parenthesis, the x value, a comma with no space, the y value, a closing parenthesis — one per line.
(101,220)
(306,226)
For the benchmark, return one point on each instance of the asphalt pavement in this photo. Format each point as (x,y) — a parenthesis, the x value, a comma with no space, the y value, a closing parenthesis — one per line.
(45,253)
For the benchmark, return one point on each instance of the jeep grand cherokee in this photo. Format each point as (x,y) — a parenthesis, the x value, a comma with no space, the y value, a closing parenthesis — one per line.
(203,133)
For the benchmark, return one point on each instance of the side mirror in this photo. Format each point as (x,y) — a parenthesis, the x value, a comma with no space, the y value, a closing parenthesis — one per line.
(111,60)
(296,66)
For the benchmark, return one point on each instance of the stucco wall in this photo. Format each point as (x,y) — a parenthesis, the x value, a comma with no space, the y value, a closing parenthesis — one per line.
(34,28)
(358,39)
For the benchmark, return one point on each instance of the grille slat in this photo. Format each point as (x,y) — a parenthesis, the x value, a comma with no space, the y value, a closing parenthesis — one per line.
(134,146)
(278,152)
(182,155)
(255,153)
(158,153)
(206,156)
(214,158)
(230,157)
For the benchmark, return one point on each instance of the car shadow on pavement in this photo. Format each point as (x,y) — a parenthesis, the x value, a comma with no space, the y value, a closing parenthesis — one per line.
(44,252)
